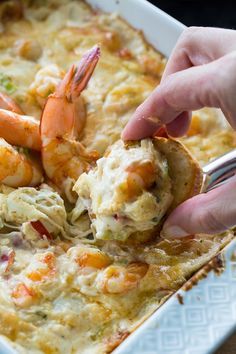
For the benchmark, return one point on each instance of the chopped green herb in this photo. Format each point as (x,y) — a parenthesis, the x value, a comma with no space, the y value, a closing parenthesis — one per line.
(123,261)
(25,151)
(7,84)
(41,314)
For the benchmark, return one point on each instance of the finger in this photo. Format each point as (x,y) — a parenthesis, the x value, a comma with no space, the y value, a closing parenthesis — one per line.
(140,127)
(180,125)
(208,213)
(198,46)
(191,50)
(187,90)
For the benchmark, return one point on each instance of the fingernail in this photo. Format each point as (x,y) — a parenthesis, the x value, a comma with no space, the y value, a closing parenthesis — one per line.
(173,232)
(153,120)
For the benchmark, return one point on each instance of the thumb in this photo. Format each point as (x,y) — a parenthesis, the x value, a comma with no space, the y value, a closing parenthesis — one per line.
(209,213)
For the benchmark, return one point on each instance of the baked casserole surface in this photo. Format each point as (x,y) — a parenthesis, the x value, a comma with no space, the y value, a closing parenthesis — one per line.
(71,292)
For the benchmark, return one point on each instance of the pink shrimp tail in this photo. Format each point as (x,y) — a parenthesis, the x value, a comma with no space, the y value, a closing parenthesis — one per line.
(85,68)
(78,76)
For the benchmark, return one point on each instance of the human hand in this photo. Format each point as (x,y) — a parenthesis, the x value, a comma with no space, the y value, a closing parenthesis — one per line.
(200,72)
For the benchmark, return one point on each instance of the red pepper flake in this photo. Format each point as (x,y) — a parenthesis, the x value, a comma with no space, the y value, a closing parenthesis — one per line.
(9,258)
(4,258)
(41,229)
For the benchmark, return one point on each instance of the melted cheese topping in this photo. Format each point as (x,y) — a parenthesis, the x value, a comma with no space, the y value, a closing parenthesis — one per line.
(61,291)
(128,192)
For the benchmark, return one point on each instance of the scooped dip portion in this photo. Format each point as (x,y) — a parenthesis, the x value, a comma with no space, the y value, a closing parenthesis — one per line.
(128,191)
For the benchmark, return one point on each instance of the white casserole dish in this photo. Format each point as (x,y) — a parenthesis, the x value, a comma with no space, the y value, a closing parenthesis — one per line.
(208,314)
(194,321)
(160,29)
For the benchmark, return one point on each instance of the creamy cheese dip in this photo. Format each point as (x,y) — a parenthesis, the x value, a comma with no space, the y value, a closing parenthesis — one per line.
(129,191)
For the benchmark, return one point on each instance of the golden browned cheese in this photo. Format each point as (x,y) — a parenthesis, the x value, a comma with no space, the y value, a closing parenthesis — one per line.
(61,294)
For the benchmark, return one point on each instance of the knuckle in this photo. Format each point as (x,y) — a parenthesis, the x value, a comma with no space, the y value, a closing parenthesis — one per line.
(230,61)
(210,222)
(190,33)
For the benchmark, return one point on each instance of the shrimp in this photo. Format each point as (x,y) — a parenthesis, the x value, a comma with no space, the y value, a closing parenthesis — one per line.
(92,258)
(64,158)
(12,118)
(9,104)
(18,169)
(23,296)
(45,268)
(25,128)
(117,279)
(87,257)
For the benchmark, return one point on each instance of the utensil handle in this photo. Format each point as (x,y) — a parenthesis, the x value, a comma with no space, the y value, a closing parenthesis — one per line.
(219,171)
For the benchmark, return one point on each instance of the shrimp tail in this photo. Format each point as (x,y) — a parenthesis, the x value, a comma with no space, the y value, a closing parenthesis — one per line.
(85,69)
(77,78)
(6,102)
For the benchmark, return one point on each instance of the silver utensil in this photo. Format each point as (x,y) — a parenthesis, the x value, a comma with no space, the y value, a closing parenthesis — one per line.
(219,171)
